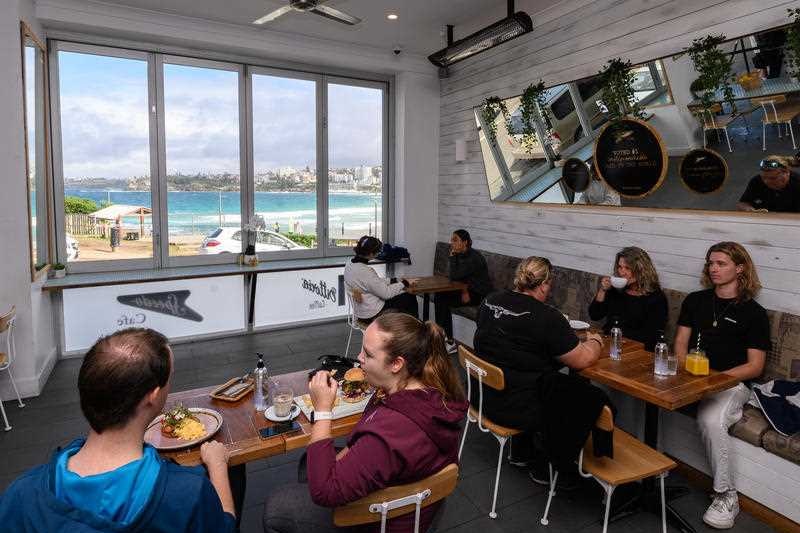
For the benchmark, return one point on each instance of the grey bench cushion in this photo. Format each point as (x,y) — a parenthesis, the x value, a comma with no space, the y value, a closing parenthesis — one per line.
(786,447)
(752,426)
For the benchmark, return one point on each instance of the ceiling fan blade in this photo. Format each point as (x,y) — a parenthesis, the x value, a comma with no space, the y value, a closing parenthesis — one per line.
(335,14)
(273,15)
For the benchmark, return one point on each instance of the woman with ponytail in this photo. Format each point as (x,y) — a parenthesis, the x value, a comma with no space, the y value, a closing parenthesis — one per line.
(410,429)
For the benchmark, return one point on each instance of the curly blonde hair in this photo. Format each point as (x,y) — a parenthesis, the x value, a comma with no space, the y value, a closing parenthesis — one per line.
(642,267)
(532,272)
(749,284)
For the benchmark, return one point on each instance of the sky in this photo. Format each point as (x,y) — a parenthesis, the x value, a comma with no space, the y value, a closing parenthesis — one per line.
(105,125)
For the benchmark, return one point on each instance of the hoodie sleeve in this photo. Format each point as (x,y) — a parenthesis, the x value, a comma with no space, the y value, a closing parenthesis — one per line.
(380,287)
(369,466)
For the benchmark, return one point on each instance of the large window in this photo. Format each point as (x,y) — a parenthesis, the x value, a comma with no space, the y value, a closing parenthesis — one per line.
(166,161)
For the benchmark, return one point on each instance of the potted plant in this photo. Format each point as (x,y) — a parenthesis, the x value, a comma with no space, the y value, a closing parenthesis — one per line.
(534,101)
(250,231)
(491,108)
(793,45)
(616,79)
(714,69)
(59,270)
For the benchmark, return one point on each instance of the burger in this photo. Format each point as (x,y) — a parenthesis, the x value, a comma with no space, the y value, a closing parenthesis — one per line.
(354,386)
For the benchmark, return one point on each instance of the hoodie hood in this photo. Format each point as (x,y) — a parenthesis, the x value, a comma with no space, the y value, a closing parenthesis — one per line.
(438,419)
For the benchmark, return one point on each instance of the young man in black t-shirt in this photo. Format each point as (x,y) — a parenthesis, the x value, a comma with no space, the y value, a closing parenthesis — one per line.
(734,332)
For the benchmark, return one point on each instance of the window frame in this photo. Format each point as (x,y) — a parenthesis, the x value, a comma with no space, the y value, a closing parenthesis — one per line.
(156,56)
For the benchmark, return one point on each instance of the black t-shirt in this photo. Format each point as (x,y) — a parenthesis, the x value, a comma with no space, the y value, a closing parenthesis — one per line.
(641,318)
(524,337)
(740,326)
(786,200)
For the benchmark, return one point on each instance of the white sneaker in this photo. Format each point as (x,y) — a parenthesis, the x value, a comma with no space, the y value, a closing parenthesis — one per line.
(452,346)
(723,510)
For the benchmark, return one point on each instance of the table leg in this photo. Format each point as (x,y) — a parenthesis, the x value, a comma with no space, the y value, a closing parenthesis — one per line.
(426,303)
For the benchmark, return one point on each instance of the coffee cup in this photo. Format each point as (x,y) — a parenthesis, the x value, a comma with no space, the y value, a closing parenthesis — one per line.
(282,399)
(618,282)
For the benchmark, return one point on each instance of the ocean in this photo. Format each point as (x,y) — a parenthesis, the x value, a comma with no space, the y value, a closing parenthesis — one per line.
(199,212)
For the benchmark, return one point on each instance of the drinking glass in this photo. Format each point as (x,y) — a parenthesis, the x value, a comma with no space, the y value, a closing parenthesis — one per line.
(282,398)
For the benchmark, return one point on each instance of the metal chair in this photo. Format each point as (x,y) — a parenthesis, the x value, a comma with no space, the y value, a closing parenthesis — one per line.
(395,501)
(632,461)
(782,115)
(7,324)
(492,376)
(354,323)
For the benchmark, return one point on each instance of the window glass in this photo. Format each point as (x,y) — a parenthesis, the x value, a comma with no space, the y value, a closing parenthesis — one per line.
(201,126)
(355,163)
(106,157)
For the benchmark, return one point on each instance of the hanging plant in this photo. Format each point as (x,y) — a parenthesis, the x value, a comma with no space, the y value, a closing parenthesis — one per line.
(793,43)
(492,107)
(714,67)
(534,101)
(618,96)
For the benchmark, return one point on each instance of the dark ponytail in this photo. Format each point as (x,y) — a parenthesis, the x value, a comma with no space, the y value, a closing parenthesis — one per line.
(423,349)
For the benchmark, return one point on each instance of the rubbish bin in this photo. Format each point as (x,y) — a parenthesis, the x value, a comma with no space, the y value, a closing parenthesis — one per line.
(115,236)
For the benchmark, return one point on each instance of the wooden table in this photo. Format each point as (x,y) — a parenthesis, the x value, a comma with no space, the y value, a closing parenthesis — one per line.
(241,423)
(431,284)
(634,376)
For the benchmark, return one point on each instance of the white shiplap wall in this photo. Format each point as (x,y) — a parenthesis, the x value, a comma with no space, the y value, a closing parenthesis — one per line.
(571,40)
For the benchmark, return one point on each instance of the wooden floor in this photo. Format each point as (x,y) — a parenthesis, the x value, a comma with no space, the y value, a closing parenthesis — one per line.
(54,418)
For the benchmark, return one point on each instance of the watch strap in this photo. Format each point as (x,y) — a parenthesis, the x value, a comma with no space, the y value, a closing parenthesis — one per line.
(321,415)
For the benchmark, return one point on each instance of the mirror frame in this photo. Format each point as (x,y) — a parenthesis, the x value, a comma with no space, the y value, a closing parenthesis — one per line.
(27,34)
(677,210)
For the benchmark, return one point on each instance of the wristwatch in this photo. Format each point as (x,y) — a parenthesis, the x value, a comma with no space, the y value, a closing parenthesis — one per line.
(321,415)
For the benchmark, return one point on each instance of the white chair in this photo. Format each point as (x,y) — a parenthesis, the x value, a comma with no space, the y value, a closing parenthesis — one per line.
(396,501)
(632,461)
(353,322)
(7,322)
(492,376)
(782,114)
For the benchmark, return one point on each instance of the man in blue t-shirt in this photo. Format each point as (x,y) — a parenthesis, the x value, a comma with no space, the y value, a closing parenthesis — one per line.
(111,480)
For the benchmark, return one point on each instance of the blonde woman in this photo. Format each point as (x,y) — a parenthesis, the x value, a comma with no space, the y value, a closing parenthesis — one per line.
(639,308)
(734,331)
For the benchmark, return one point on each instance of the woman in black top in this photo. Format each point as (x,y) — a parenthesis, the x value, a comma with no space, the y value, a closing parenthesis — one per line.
(640,308)
(466,265)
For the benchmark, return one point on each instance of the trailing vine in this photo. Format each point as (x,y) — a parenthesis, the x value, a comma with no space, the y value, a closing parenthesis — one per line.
(491,108)
(793,43)
(618,96)
(714,67)
(534,99)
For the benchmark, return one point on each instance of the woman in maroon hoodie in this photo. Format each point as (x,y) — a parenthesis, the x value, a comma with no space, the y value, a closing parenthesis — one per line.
(410,428)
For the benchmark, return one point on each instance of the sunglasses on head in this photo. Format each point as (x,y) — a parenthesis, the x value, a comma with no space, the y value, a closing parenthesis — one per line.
(770,164)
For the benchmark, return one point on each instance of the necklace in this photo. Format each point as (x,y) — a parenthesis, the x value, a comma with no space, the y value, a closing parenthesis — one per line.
(714,309)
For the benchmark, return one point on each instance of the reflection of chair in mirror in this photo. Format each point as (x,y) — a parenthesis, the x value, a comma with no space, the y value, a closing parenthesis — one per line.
(713,121)
(776,110)
(7,325)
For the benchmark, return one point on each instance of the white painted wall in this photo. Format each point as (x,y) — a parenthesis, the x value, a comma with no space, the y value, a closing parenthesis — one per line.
(35,340)
(572,40)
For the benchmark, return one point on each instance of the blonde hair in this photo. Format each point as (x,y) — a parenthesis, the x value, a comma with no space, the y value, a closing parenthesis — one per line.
(422,347)
(532,272)
(749,284)
(642,267)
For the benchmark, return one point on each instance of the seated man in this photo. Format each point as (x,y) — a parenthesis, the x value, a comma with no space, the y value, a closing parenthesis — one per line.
(775,189)
(734,332)
(531,341)
(111,481)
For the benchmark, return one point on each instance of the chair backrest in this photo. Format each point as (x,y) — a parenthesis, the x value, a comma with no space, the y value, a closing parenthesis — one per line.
(398,500)
(6,320)
(767,103)
(352,319)
(481,370)
(358,296)
(606,419)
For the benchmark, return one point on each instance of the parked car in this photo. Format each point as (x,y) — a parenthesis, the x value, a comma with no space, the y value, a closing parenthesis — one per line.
(72,248)
(229,240)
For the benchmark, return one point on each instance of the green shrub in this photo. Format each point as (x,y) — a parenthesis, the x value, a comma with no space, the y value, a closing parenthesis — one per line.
(302,239)
(76,204)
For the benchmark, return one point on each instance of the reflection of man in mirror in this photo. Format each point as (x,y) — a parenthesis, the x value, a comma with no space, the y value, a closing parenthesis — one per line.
(775,189)
(598,193)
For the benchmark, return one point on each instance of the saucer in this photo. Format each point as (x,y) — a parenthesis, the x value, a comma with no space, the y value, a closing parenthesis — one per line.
(269,413)
(579,324)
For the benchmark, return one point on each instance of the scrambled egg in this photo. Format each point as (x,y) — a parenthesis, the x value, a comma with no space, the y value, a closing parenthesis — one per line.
(190,429)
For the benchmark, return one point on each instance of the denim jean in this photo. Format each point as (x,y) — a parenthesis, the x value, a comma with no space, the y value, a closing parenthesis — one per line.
(715,415)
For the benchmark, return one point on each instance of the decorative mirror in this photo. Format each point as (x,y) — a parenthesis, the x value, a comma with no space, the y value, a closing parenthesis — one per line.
(34,98)
(715,139)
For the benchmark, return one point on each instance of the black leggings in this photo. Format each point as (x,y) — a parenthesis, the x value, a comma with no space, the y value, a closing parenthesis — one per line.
(445,301)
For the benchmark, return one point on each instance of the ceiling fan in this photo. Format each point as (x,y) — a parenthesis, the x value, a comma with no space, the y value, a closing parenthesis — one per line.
(310,6)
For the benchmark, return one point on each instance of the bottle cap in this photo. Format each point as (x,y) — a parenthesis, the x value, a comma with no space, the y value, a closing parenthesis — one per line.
(260,360)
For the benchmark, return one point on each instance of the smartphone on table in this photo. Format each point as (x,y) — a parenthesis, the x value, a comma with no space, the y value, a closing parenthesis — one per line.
(278,429)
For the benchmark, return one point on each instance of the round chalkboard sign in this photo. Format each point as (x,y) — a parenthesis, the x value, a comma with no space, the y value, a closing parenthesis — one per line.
(630,157)
(703,171)
(576,174)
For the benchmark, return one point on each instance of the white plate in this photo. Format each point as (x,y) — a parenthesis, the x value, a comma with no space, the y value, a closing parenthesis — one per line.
(211,419)
(269,413)
(579,324)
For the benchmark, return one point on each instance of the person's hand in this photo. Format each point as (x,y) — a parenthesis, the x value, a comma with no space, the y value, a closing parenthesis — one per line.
(605,283)
(465,296)
(214,454)
(591,336)
(322,389)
